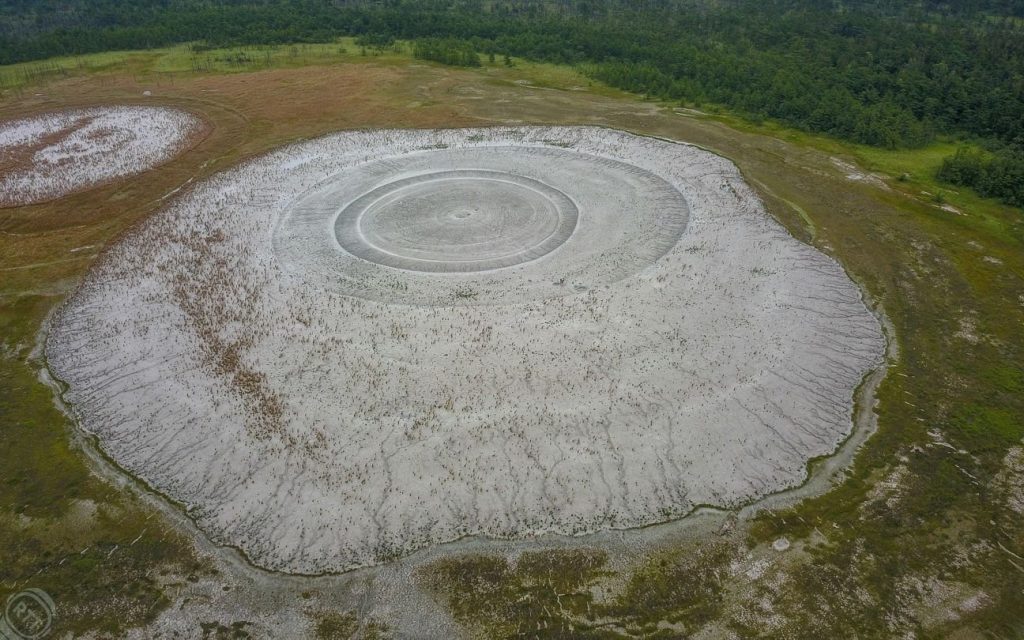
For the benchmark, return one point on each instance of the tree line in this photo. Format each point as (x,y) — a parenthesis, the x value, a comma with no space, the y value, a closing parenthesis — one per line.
(458,53)
(878,72)
(996,175)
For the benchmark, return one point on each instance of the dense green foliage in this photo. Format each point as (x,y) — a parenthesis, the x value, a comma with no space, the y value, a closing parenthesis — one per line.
(889,74)
(999,175)
(454,52)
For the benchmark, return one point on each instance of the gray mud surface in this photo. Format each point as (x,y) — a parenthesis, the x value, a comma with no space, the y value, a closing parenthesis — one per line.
(372,343)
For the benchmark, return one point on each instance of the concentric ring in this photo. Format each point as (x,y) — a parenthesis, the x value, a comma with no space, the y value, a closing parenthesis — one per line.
(461,220)
(479,225)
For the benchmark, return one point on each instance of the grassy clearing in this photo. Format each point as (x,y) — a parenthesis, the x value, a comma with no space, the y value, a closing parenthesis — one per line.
(189,60)
(544,594)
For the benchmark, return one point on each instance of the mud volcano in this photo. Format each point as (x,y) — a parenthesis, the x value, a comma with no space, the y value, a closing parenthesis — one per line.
(456,221)
(376,341)
(477,211)
(54,154)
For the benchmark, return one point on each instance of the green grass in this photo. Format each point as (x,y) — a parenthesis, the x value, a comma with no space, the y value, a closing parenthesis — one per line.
(63,530)
(183,59)
(550,76)
(949,410)
(910,171)
(169,62)
(27,74)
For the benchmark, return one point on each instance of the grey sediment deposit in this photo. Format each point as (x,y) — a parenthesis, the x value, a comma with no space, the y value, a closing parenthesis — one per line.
(373,342)
(53,154)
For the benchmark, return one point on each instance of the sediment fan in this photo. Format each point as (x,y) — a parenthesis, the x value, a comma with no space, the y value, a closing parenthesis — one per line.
(374,341)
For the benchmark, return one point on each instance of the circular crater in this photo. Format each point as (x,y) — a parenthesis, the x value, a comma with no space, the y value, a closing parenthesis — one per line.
(479,225)
(453,221)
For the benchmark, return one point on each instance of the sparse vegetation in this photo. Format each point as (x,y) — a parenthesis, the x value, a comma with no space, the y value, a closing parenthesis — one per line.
(570,594)
(333,625)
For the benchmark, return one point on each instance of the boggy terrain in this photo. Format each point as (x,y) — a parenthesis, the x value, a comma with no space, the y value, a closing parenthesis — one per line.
(922,536)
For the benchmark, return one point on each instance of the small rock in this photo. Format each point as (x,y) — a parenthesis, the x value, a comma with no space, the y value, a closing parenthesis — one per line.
(781,544)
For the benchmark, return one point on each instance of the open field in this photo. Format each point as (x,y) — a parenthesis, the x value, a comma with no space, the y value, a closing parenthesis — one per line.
(923,534)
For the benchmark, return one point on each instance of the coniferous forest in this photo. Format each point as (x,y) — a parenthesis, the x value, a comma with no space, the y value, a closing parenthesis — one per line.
(870,71)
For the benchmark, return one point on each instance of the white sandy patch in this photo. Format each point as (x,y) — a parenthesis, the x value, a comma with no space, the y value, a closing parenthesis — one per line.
(58,153)
(930,602)
(890,488)
(856,175)
(1010,480)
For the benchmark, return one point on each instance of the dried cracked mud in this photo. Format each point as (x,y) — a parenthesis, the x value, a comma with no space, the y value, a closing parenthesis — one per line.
(373,342)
